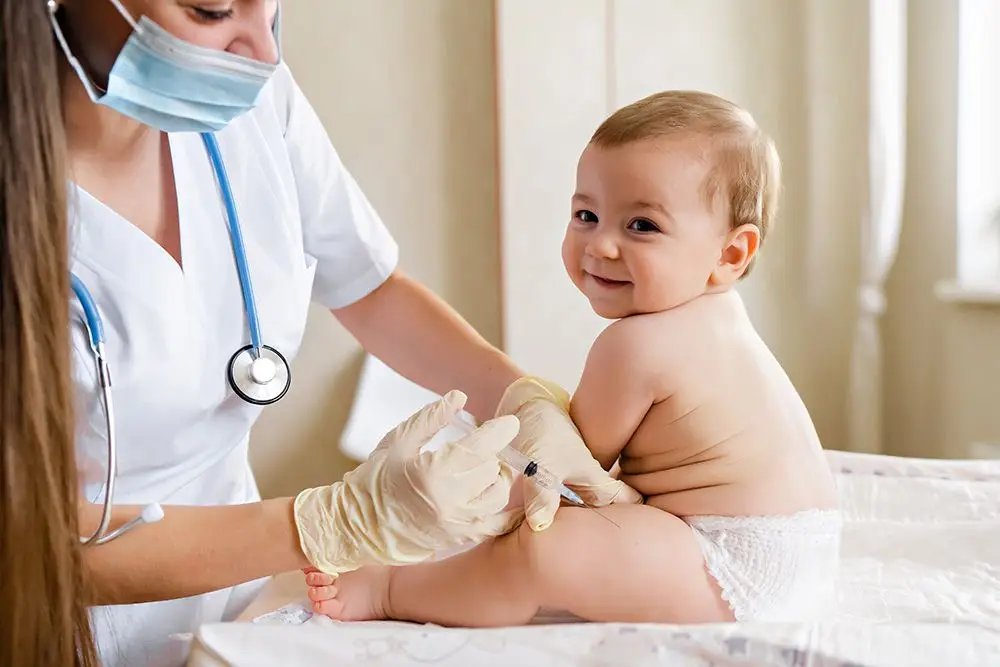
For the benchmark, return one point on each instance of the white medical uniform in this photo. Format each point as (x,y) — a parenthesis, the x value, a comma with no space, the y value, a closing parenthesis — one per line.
(310,235)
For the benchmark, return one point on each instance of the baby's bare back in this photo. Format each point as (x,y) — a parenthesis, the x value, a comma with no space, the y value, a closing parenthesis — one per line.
(729,434)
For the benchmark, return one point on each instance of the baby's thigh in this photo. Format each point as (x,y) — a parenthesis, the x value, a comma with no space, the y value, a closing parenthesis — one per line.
(649,568)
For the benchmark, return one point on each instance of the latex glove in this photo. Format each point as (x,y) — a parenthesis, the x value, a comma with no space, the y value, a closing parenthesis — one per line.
(549,437)
(401,506)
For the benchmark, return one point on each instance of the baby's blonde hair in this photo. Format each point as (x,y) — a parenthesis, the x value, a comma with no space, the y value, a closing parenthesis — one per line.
(746,169)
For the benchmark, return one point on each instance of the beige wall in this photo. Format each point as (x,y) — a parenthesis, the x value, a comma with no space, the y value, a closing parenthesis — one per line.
(406,90)
(553,75)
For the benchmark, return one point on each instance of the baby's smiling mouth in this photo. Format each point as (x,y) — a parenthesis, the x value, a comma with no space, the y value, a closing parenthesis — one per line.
(607,282)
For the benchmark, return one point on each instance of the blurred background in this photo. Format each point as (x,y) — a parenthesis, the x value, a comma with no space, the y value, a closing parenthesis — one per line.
(879,289)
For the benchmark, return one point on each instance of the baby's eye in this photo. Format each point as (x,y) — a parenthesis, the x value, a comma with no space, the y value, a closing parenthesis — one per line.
(643,226)
(585,216)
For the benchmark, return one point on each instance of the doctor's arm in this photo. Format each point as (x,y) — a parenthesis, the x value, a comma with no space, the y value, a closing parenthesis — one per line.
(399,506)
(423,339)
(191,550)
(393,317)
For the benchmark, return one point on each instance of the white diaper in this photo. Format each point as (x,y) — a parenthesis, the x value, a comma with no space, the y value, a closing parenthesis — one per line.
(773,568)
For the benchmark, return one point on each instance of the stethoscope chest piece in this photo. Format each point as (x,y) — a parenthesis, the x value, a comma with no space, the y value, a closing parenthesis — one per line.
(262,379)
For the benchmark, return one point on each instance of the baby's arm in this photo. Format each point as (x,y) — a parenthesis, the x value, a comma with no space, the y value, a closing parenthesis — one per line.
(647,568)
(616,390)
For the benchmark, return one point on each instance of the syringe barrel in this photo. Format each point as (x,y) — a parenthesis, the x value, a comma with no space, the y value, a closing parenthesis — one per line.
(522,464)
(462,425)
(513,458)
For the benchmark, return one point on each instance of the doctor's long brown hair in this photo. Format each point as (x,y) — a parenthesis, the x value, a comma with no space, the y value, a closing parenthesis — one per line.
(43,617)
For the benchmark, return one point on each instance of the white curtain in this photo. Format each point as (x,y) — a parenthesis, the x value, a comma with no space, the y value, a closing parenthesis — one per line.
(881,222)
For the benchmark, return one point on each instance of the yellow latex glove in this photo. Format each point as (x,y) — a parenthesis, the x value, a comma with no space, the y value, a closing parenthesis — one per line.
(549,437)
(401,506)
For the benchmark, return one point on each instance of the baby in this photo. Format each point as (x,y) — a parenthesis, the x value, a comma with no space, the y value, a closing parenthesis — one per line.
(675,195)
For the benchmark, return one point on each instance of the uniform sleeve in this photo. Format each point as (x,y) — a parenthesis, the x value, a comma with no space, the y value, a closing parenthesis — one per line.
(354,251)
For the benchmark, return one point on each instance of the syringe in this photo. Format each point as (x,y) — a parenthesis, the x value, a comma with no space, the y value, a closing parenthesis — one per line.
(538,475)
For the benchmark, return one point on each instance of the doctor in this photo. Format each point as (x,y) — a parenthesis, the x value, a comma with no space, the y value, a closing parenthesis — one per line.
(208,208)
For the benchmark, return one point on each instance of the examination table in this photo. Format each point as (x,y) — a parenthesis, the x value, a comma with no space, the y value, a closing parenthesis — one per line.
(919,585)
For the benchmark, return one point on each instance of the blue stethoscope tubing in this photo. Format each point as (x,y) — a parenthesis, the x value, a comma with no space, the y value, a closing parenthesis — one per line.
(236,236)
(257,373)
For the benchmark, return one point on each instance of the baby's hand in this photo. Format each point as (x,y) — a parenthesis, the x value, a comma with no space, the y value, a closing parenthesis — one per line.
(323,593)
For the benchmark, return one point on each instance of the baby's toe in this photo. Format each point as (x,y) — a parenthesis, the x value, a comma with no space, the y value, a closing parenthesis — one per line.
(320,593)
(332,607)
(318,578)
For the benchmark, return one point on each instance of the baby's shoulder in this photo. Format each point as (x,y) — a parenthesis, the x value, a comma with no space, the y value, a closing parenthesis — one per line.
(623,335)
(667,330)
(641,345)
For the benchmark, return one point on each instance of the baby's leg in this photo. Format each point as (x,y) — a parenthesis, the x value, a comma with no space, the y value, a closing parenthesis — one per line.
(648,570)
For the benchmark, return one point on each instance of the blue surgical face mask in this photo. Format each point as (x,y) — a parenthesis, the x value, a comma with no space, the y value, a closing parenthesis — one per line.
(172,85)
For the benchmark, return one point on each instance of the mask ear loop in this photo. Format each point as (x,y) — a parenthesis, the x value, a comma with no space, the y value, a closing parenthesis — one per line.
(94,91)
(276,31)
(125,15)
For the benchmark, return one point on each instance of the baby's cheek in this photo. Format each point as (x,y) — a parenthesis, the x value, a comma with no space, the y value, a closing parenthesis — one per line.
(516,495)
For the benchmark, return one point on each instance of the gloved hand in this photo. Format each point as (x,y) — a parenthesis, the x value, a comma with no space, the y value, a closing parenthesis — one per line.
(549,437)
(401,506)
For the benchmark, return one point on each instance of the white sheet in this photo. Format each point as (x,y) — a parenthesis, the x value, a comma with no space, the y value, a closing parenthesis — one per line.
(920,585)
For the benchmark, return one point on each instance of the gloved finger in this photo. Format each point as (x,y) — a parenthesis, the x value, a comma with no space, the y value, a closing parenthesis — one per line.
(516,498)
(481,492)
(608,492)
(470,519)
(498,524)
(406,439)
(540,506)
(492,436)
(493,497)
(627,495)
(529,389)
(595,485)
(479,447)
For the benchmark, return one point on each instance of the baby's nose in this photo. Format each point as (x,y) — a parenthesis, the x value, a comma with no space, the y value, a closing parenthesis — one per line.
(603,246)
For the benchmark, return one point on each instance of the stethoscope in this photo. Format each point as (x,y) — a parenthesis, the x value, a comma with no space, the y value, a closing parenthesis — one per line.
(257,373)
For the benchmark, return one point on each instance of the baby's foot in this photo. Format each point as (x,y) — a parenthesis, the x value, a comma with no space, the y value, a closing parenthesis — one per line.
(323,593)
(361,595)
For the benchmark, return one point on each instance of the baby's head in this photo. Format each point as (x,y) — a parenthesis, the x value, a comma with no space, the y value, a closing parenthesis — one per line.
(674,196)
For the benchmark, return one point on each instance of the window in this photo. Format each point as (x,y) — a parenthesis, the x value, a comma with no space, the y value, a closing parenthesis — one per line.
(978,144)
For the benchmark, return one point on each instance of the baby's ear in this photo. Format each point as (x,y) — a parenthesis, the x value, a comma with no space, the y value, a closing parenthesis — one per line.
(740,247)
